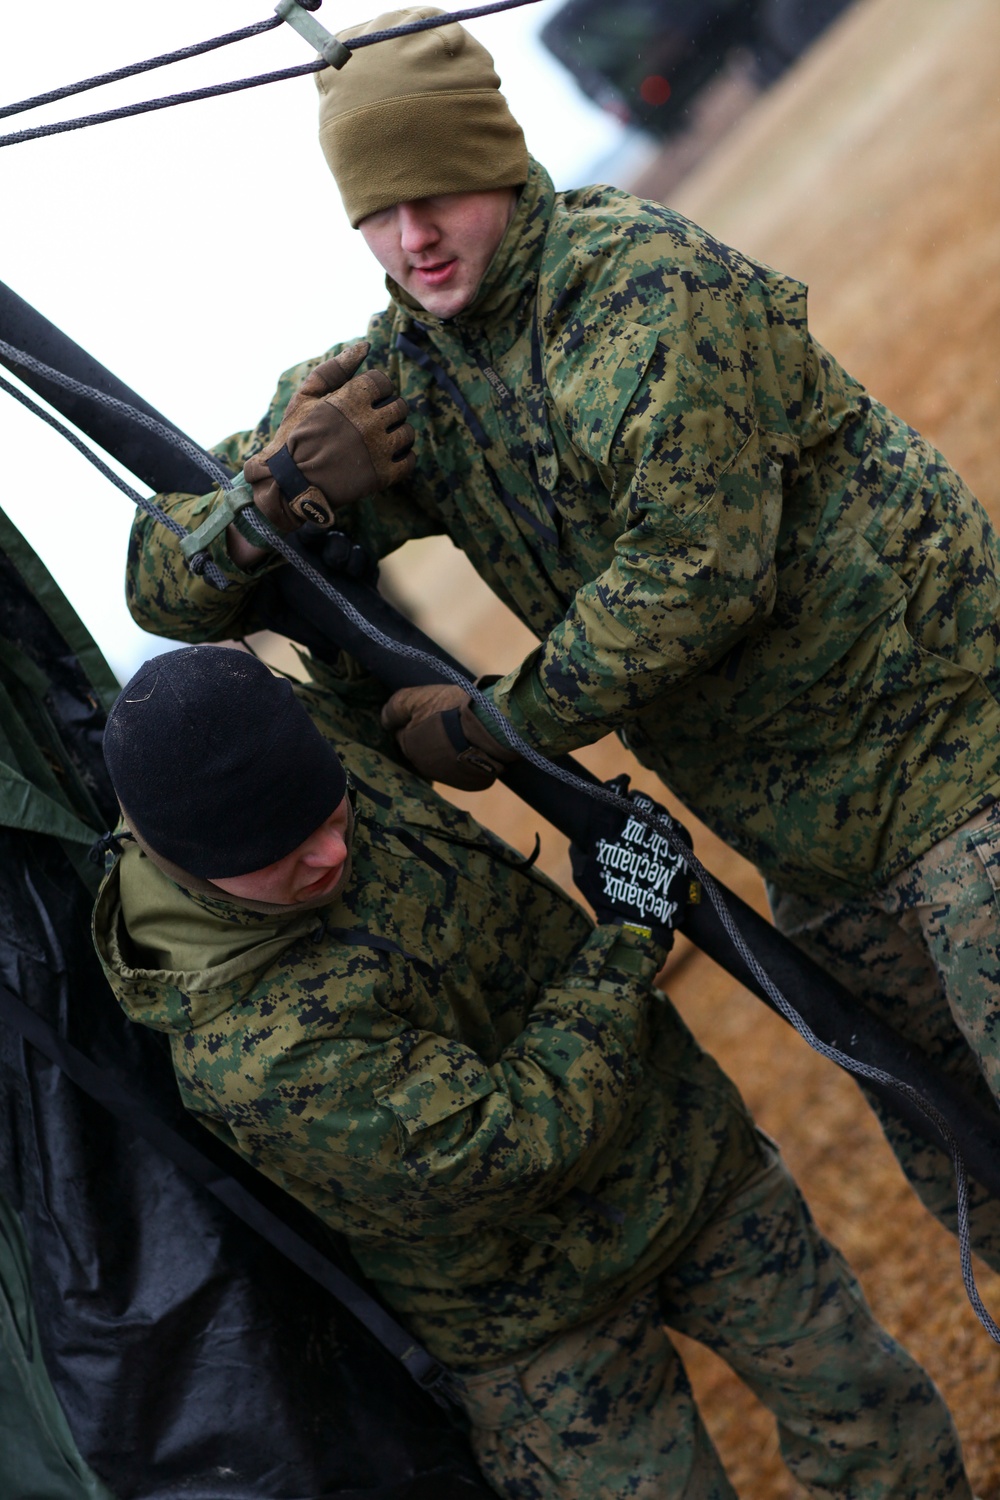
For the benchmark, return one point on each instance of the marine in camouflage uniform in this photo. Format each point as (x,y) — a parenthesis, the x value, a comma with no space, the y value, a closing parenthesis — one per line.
(783,599)
(531,1158)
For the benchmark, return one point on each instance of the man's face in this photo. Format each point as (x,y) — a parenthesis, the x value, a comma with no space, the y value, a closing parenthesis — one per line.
(315,868)
(437,249)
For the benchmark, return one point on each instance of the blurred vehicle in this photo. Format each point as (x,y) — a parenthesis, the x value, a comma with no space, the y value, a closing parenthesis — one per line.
(644,61)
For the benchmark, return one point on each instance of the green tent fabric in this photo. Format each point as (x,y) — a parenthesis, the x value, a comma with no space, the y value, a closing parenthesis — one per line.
(38,1458)
(64,617)
(43,785)
(137,1268)
(41,791)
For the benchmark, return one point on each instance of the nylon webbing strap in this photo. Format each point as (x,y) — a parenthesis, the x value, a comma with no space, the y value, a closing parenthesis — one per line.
(451,722)
(290,478)
(102,1086)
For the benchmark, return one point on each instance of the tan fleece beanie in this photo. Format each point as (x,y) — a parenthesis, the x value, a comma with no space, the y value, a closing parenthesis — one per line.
(415,116)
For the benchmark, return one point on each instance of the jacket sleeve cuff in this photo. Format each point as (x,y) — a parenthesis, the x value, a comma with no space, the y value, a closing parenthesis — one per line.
(521,698)
(165,598)
(622,958)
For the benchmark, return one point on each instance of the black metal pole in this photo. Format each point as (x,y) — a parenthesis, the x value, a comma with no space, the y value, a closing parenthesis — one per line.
(289,603)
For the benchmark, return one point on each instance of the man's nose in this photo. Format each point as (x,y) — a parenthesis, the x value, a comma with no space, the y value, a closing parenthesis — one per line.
(327,849)
(417,230)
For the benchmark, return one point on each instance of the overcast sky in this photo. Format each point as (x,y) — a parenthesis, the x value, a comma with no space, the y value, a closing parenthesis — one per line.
(196,251)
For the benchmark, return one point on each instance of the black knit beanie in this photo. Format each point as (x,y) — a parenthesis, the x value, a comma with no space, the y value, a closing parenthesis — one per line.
(217,765)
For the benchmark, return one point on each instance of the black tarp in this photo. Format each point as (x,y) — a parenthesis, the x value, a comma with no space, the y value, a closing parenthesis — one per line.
(190,1358)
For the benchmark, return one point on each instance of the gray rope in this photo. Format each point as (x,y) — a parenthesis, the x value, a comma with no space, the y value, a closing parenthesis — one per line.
(169,100)
(211,466)
(201,563)
(166,102)
(429,22)
(140,67)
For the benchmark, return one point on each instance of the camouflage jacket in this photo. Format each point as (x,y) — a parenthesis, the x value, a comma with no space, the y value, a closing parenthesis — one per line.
(779,594)
(448,1064)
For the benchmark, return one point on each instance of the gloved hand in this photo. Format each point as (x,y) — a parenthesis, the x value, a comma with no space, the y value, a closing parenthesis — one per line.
(335,444)
(441,737)
(627,870)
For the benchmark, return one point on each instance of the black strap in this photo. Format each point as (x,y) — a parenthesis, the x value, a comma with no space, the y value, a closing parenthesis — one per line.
(291,480)
(379,798)
(360,938)
(136,1114)
(509,402)
(451,723)
(441,377)
(419,848)
(548,534)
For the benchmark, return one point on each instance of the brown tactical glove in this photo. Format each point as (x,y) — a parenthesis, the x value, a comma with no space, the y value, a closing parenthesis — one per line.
(342,437)
(440,735)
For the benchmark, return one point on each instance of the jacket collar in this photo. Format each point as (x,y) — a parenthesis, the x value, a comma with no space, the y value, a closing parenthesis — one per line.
(511,275)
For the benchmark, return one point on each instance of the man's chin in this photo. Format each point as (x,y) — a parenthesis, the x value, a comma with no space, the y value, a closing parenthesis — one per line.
(442,302)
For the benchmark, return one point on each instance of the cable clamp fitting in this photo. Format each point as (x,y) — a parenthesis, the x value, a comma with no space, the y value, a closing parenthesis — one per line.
(296,13)
(222,514)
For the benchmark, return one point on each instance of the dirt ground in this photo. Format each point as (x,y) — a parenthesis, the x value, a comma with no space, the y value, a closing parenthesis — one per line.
(872,172)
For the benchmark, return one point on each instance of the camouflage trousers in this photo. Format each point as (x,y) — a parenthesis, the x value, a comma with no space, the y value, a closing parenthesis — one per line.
(605,1411)
(923,954)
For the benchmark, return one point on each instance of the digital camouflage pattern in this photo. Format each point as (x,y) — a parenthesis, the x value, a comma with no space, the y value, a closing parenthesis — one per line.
(780,595)
(448,1064)
(606,1410)
(922,954)
(519,1138)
